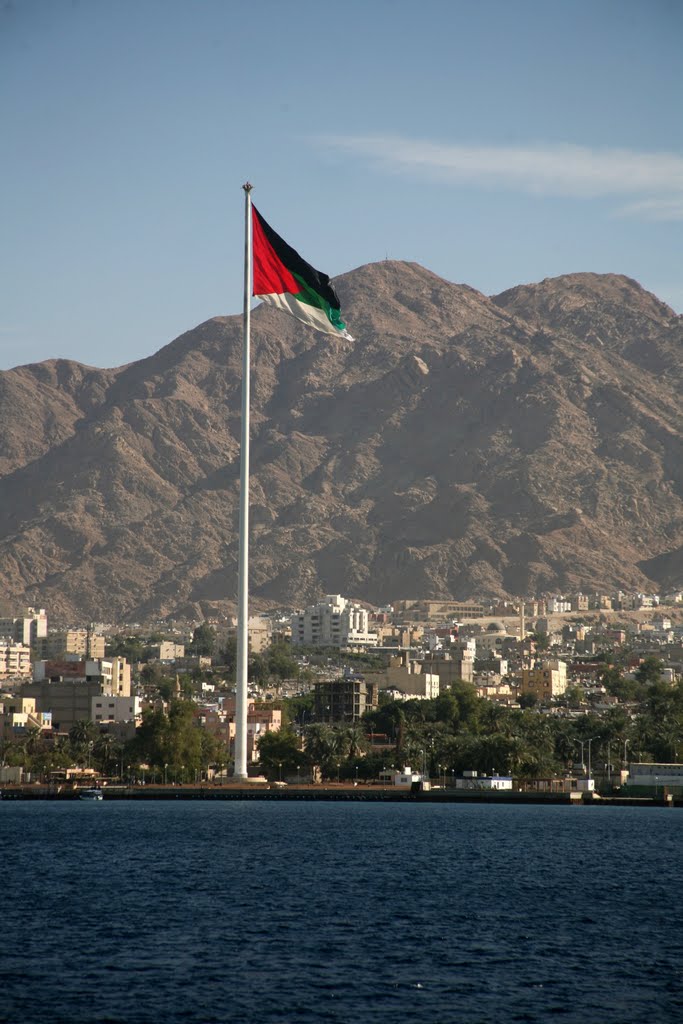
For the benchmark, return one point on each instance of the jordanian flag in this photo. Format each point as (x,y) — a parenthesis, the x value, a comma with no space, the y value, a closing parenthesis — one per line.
(286,281)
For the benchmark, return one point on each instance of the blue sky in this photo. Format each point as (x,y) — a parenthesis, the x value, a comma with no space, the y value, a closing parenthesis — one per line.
(495,142)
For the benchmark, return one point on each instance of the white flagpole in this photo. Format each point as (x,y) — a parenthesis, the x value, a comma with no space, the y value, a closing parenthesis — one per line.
(240,768)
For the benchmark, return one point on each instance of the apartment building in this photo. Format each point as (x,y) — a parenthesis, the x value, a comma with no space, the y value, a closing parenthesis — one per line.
(80,642)
(15,660)
(67,687)
(334,622)
(26,628)
(546,680)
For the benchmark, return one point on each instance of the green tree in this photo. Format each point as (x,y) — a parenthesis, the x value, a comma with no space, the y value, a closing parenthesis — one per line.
(528,700)
(280,663)
(203,640)
(82,737)
(132,648)
(280,755)
(650,671)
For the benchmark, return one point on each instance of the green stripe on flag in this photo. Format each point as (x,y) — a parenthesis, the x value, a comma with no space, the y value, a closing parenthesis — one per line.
(310,297)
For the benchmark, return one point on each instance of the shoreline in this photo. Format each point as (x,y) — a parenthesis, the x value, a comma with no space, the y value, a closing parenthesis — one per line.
(369,794)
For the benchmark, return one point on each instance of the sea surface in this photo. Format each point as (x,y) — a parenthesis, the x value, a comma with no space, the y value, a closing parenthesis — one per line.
(254,913)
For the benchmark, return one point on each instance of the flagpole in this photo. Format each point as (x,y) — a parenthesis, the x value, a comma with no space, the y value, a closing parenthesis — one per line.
(240,767)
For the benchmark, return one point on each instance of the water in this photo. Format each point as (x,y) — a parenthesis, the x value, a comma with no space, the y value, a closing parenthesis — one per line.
(255,913)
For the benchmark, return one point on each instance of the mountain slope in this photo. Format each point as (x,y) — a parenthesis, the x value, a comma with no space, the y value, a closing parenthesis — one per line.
(462,445)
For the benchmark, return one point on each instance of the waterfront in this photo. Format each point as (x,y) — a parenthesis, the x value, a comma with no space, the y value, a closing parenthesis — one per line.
(276,912)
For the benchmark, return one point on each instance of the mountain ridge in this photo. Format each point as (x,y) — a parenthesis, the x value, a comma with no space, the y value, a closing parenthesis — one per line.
(463,445)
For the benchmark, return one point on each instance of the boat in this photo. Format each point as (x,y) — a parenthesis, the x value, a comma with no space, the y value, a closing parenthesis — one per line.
(90,794)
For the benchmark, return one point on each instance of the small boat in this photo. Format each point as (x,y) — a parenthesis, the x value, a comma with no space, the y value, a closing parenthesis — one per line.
(90,794)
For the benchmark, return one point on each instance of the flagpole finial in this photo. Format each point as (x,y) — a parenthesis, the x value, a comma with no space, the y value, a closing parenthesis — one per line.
(247,186)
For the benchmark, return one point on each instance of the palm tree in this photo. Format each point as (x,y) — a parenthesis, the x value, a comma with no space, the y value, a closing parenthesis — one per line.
(322,742)
(354,740)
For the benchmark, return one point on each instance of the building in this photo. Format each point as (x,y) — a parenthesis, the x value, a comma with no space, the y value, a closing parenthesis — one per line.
(69,701)
(557,605)
(106,709)
(457,665)
(473,780)
(436,611)
(17,714)
(491,641)
(259,633)
(546,680)
(15,660)
(27,628)
(66,688)
(334,622)
(219,721)
(403,675)
(656,776)
(405,778)
(167,650)
(344,700)
(72,641)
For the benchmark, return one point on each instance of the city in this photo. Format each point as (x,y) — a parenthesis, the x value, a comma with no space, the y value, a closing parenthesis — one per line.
(578,695)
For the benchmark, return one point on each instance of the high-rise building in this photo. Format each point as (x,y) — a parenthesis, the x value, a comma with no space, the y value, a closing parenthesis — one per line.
(334,622)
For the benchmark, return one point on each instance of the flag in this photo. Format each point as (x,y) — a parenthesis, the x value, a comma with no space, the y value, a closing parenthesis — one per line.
(287,282)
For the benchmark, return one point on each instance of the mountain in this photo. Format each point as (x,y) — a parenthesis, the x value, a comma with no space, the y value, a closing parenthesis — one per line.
(463,445)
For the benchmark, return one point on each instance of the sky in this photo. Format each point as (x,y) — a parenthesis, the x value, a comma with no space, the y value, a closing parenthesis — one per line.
(496,142)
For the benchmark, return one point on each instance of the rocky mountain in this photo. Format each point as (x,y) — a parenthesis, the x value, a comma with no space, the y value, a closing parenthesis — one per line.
(462,445)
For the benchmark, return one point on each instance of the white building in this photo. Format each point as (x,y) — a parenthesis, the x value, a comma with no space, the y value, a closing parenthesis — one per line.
(25,628)
(334,622)
(473,780)
(15,660)
(403,778)
(653,775)
(114,709)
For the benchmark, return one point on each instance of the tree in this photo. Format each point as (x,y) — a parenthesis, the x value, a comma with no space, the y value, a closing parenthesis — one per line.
(203,640)
(228,655)
(280,663)
(279,754)
(574,696)
(541,640)
(323,747)
(616,685)
(82,736)
(650,671)
(132,648)
(528,700)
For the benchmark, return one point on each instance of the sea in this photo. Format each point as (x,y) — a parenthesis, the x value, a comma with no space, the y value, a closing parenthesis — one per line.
(162,912)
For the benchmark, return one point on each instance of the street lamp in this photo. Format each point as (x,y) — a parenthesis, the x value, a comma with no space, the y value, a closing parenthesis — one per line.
(583,763)
(279,769)
(165,774)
